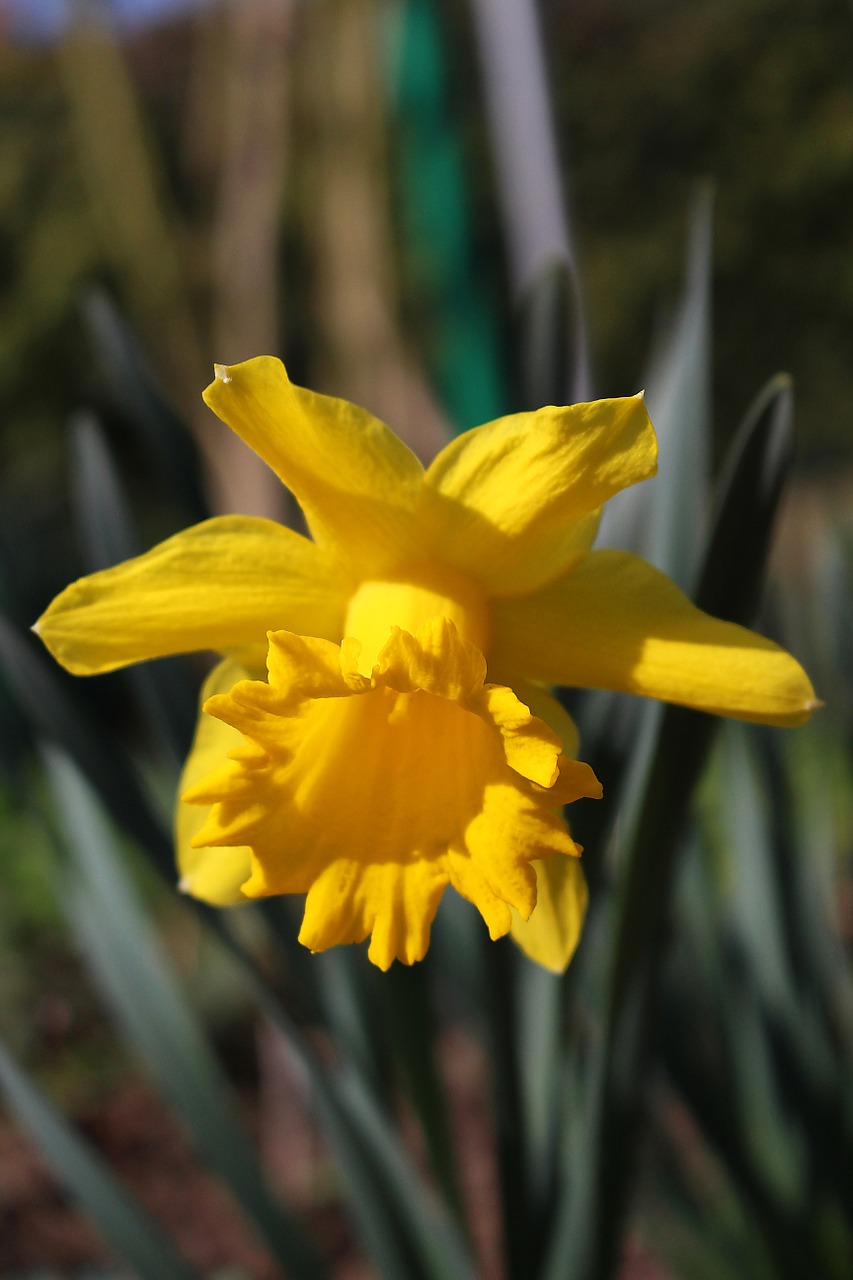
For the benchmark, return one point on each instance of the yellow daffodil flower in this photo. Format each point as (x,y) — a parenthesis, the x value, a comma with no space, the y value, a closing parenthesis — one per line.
(372,764)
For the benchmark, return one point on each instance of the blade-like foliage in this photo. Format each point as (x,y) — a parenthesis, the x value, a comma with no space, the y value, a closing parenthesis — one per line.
(665,519)
(57,713)
(163,690)
(528,167)
(132,390)
(125,958)
(589,1229)
(124,1225)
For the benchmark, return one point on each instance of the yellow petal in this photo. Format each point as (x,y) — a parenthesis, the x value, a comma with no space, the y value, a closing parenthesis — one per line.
(356,481)
(515,502)
(615,622)
(212,874)
(371,795)
(551,934)
(348,901)
(545,707)
(531,748)
(437,660)
(218,585)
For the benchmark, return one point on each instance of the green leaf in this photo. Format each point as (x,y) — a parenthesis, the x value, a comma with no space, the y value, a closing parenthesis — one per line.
(133,391)
(164,691)
(746,500)
(100,506)
(529,169)
(664,519)
(540,1050)
(500,1006)
(414,1031)
(124,1225)
(57,712)
(393,1206)
(590,1225)
(136,981)
(679,399)
(755,903)
(350,1002)
(547,319)
(405,1228)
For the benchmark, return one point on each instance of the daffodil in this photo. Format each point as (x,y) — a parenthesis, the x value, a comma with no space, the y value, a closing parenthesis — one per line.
(380,725)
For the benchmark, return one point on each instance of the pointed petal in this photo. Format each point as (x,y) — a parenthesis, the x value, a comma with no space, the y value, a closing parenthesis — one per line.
(550,935)
(615,622)
(356,482)
(514,503)
(218,585)
(212,874)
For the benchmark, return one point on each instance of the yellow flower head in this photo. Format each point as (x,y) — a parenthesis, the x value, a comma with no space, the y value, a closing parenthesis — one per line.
(372,763)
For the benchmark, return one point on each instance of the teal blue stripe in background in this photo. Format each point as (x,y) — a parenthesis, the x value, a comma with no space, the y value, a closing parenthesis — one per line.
(460,329)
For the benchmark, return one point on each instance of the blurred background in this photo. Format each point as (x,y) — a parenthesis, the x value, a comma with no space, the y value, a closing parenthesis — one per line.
(444,219)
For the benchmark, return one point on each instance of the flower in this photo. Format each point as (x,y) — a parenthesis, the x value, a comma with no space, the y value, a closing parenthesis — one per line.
(371,764)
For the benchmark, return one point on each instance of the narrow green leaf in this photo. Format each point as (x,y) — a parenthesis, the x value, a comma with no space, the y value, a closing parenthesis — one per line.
(402,1223)
(755,903)
(747,497)
(768,1135)
(758,1072)
(144,998)
(539,1028)
(697,1046)
(665,519)
(57,712)
(124,1225)
(700,1230)
(679,398)
(528,166)
(163,690)
(546,322)
(100,506)
(414,1031)
(405,1228)
(350,1004)
(370,1149)
(589,1230)
(500,995)
(133,390)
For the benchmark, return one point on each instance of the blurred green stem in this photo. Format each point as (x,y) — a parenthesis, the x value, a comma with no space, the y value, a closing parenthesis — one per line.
(415,1032)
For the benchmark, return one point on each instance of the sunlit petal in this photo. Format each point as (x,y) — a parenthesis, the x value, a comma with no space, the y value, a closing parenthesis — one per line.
(218,585)
(212,874)
(551,933)
(515,502)
(615,622)
(357,483)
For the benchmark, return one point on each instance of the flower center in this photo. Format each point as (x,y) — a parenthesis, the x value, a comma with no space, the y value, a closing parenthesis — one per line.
(408,599)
